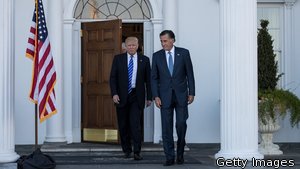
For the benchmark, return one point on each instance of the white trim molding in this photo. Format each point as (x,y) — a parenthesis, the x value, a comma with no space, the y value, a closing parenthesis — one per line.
(290,3)
(288,44)
(277,1)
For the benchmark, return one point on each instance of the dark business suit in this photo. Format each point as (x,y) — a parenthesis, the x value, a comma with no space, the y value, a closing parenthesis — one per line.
(130,108)
(173,90)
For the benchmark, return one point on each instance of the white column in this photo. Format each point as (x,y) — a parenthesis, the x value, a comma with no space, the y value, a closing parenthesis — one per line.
(239,121)
(170,14)
(55,125)
(288,44)
(68,79)
(157,28)
(170,11)
(7,127)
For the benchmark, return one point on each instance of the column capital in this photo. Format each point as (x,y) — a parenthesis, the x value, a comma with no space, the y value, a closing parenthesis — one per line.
(289,3)
(157,20)
(277,1)
(69,21)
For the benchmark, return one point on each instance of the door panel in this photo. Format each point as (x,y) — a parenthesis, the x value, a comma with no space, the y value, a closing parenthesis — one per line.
(101,41)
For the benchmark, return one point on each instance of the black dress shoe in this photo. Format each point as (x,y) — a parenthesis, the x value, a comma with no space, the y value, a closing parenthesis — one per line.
(169,163)
(137,157)
(180,160)
(126,155)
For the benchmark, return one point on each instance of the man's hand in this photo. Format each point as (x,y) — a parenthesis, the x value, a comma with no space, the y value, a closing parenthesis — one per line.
(116,99)
(148,103)
(190,99)
(157,102)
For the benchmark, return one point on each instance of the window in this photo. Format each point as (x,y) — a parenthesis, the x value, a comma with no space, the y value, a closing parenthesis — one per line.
(112,9)
(274,14)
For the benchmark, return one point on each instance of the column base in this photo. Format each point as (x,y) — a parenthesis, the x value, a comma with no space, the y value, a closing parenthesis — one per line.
(8,157)
(55,143)
(55,140)
(239,154)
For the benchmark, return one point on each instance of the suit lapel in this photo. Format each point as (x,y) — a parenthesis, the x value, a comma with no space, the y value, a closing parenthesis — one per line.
(176,58)
(139,65)
(125,68)
(164,62)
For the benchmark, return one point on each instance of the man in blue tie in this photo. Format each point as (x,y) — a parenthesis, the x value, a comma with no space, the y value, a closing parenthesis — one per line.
(129,79)
(173,87)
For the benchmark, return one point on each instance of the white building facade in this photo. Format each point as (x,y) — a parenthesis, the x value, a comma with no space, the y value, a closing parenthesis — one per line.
(221,37)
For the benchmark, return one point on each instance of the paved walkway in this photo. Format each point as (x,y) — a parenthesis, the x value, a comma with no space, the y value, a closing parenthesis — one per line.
(107,156)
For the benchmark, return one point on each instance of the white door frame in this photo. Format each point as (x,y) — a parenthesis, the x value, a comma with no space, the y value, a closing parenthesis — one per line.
(72,71)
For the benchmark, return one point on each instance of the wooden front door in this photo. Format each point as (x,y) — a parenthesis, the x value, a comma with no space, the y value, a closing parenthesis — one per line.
(100,42)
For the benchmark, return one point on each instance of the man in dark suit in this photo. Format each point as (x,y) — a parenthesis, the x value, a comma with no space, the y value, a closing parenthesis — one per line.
(129,79)
(173,87)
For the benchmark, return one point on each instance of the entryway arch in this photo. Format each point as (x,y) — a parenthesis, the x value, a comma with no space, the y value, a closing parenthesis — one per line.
(103,9)
(153,6)
(152,23)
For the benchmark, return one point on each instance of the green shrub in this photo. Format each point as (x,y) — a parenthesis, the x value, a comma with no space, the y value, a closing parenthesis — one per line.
(271,99)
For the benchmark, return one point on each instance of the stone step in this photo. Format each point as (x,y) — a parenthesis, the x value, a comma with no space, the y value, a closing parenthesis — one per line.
(92,147)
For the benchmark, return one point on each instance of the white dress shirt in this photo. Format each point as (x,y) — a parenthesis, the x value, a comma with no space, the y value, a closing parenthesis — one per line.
(172,53)
(133,80)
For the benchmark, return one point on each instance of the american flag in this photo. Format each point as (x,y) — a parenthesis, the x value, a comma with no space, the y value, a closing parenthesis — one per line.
(43,74)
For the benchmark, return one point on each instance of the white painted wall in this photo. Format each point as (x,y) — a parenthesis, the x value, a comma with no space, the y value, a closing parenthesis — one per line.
(198,31)
(286,133)
(200,34)
(296,27)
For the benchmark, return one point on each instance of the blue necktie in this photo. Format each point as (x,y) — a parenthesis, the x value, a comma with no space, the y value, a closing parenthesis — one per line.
(130,70)
(170,63)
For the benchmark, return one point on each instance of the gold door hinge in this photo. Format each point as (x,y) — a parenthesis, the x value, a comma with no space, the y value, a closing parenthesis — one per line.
(81,33)
(81,79)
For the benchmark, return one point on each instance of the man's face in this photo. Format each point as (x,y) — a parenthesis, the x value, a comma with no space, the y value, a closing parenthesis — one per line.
(131,47)
(166,42)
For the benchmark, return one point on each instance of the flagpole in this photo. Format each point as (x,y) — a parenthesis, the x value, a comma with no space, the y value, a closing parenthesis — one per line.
(44,102)
(36,127)
(35,53)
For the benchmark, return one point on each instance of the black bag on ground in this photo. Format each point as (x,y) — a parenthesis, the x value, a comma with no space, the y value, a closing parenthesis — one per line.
(36,160)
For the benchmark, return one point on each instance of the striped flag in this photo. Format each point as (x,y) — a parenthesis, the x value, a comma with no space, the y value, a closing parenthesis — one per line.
(43,74)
